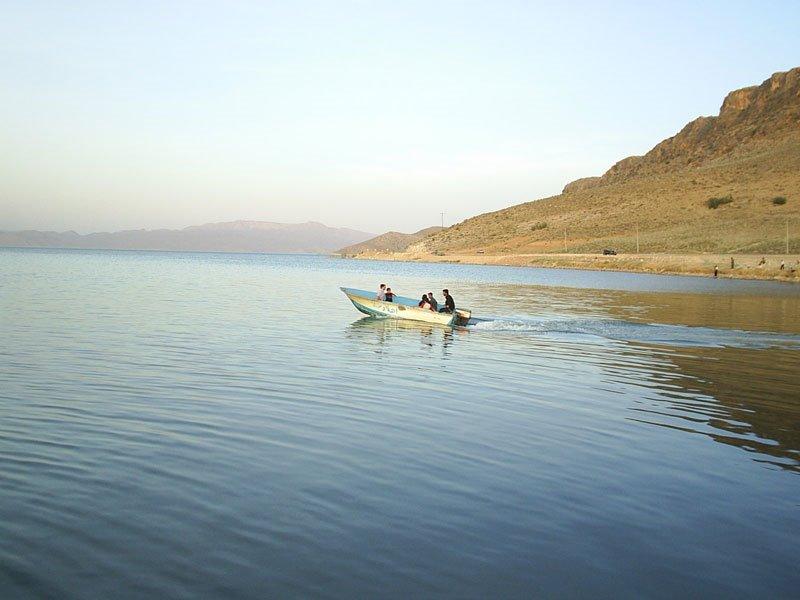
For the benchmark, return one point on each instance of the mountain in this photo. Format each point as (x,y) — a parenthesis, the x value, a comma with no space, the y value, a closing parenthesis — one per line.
(726,183)
(392,241)
(234,236)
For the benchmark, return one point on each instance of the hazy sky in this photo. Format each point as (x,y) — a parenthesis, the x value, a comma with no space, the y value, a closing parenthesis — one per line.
(373,115)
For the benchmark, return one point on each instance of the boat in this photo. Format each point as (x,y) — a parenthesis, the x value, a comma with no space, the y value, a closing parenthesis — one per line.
(403,308)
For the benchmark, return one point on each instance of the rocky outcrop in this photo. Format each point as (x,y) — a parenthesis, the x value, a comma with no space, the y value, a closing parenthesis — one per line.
(748,116)
(579,185)
(738,100)
(623,169)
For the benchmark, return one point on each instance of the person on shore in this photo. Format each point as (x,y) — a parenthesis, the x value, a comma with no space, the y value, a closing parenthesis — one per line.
(381,295)
(449,303)
(424,304)
(434,304)
(716,271)
(389,296)
(733,263)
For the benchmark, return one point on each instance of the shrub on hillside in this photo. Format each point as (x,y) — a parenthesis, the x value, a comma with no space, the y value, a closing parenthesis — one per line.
(778,200)
(715,202)
(537,226)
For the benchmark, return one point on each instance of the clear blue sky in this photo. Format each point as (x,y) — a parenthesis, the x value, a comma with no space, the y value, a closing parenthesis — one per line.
(374,115)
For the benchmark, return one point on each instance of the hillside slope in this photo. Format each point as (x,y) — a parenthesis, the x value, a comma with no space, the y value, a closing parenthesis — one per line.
(234,236)
(392,241)
(749,154)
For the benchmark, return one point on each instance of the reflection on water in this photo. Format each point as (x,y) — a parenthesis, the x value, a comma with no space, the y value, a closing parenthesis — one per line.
(727,365)
(738,387)
(746,398)
(384,330)
(770,313)
(188,425)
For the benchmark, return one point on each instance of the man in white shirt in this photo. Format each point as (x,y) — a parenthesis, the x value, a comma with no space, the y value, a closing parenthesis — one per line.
(381,295)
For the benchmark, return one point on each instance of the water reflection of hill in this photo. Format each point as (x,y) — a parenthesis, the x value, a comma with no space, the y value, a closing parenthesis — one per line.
(754,394)
(741,397)
(744,394)
(778,313)
(751,313)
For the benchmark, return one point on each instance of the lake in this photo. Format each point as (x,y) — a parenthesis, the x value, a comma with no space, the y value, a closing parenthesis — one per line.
(181,425)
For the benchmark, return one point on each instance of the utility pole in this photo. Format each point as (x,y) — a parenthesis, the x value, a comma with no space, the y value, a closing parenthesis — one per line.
(637,238)
(565,241)
(787,235)
(442,220)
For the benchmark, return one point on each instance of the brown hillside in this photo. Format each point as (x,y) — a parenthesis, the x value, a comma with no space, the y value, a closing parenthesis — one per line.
(393,241)
(749,154)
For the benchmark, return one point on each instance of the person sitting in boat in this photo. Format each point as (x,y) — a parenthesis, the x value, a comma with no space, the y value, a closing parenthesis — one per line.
(389,295)
(449,303)
(432,301)
(424,304)
(381,295)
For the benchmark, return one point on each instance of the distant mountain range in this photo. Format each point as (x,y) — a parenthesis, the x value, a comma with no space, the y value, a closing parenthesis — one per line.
(234,236)
(392,241)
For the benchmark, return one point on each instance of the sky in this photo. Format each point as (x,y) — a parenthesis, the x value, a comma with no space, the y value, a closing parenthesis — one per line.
(372,115)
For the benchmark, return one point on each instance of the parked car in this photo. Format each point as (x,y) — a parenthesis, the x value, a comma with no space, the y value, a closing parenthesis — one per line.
(609,252)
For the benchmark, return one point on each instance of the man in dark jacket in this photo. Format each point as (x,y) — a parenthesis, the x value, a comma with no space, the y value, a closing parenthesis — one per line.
(449,303)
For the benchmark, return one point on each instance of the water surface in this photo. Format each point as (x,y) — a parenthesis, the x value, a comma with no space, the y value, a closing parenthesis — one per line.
(218,425)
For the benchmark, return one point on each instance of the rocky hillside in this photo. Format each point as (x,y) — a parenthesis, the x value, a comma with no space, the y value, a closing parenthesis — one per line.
(393,241)
(233,236)
(728,183)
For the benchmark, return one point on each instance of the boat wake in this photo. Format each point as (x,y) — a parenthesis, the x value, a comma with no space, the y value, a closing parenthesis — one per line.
(654,333)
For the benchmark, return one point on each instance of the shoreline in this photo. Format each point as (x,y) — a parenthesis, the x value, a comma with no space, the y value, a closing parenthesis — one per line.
(746,266)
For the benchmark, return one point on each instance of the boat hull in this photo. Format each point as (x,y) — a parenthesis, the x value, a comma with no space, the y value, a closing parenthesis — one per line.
(403,308)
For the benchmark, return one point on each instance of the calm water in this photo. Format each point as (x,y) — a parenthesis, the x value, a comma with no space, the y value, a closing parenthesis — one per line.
(211,425)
